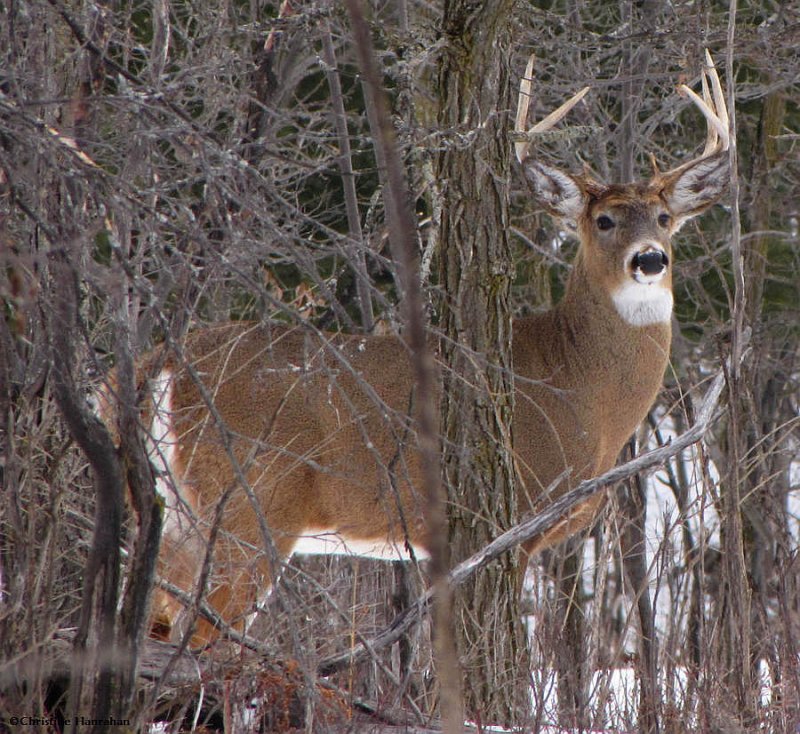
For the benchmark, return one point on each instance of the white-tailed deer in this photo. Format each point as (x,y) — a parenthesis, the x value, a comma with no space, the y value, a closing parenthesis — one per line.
(318,424)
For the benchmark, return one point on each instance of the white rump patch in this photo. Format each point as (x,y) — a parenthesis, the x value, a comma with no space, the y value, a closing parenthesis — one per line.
(643,303)
(162,445)
(331,543)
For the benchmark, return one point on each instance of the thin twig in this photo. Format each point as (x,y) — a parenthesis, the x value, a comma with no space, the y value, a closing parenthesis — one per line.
(402,240)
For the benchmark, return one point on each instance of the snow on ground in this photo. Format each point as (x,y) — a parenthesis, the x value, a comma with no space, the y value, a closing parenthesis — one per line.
(614,692)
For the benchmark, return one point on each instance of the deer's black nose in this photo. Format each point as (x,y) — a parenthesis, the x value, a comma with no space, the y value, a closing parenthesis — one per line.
(651,262)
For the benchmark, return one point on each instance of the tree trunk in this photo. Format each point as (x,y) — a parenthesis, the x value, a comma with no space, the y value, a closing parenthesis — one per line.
(476,271)
(569,661)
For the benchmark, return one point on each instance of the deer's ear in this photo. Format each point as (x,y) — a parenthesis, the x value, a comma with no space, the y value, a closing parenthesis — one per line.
(693,188)
(562,194)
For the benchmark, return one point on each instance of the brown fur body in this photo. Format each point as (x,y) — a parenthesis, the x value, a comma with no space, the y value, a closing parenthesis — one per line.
(323,435)
(325,452)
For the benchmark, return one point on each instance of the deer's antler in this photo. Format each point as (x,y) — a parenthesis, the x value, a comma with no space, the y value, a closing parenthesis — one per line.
(712,105)
(695,184)
(713,108)
(523,103)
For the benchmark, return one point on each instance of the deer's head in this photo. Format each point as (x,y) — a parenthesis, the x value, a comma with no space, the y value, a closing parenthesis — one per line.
(625,229)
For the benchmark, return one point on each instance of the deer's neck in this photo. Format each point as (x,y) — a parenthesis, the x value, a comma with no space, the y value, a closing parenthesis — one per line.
(585,346)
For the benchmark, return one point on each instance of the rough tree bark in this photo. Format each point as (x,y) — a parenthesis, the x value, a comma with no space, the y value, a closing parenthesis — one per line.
(97,659)
(473,169)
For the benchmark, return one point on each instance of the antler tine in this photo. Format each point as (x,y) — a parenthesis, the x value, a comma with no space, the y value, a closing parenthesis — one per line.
(548,122)
(714,109)
(556,115)
(712,137)
(719,100)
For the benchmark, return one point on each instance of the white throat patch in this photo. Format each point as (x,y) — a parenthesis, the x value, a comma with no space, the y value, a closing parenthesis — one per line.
(642,304)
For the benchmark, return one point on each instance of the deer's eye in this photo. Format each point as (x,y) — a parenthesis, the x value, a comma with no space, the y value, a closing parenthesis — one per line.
(664,219)
(605,223)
